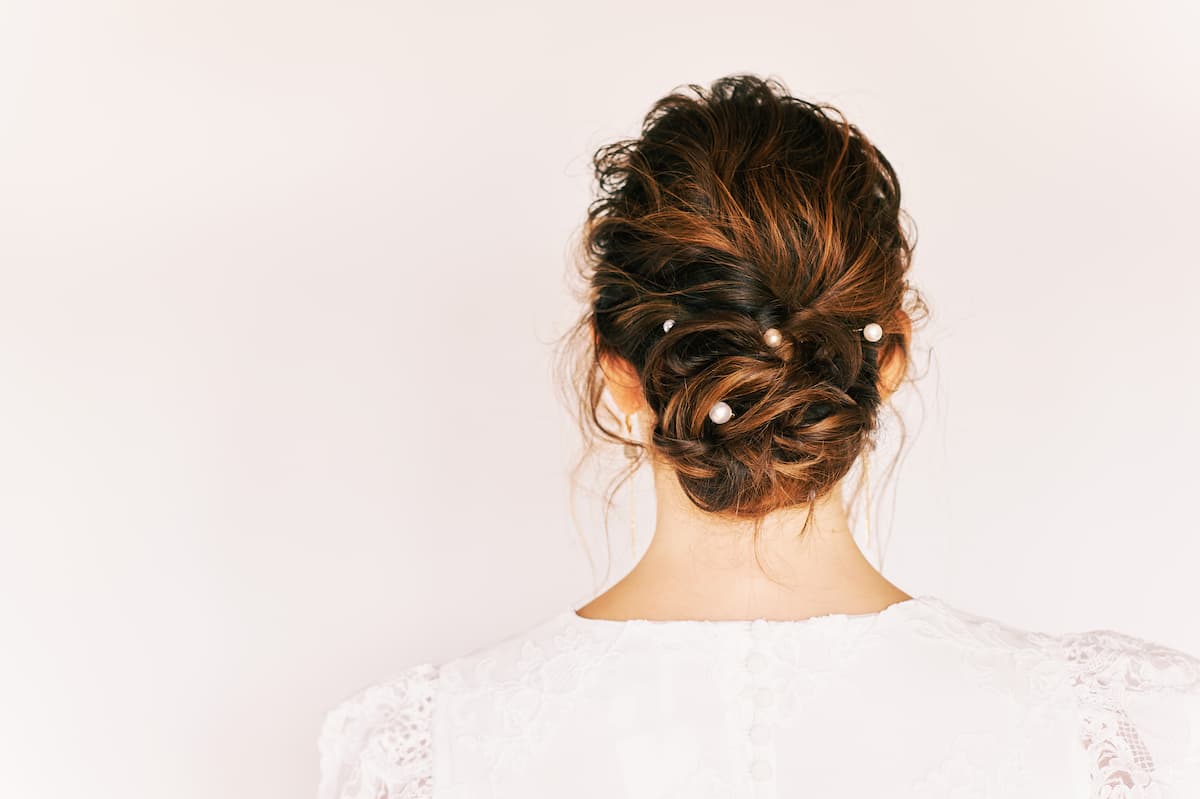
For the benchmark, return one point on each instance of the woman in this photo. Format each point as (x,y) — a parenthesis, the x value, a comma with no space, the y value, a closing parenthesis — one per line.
(749,316)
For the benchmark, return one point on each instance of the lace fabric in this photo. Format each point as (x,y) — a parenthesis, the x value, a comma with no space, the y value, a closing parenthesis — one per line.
(1121,682)
(589,708)
(378,743)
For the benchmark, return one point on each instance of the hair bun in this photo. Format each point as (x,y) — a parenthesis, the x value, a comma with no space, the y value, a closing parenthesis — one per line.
(788,411)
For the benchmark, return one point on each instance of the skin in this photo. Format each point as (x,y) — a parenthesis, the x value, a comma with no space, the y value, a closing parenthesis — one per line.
(699,566)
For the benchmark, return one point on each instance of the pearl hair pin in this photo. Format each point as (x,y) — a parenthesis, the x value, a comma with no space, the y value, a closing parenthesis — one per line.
(873,332)
(721,412)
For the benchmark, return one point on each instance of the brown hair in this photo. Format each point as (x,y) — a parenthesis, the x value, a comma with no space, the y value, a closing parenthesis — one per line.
(741,208)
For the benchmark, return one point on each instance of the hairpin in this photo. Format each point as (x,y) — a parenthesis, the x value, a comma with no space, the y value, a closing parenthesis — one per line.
(872,332)
(721,412)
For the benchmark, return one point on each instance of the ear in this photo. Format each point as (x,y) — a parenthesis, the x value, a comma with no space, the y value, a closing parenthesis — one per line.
(620,378)
(891,371)
(623,383)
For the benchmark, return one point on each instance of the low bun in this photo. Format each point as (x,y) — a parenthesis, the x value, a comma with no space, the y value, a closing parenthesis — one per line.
(800,409)
(741,209)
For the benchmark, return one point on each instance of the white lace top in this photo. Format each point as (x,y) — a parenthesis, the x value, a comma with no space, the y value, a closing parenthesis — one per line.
(920,700)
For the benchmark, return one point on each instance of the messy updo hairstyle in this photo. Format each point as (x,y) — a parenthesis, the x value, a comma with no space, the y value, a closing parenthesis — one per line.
(741,208)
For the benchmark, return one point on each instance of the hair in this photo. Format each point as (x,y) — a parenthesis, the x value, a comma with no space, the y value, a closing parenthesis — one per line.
(741,208)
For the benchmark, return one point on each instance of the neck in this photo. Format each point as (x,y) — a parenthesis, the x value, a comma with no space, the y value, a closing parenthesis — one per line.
(700,566)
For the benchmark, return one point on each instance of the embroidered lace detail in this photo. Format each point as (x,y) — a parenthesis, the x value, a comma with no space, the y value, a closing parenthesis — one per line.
(378,743)
(1107,669)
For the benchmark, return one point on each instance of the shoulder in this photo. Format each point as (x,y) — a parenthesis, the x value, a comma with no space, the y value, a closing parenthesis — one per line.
(1085,656)
(377,742)
(1136,702)
(551,653)
(1107,659)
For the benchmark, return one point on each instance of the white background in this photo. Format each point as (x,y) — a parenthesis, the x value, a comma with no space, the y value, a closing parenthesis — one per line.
(279,283)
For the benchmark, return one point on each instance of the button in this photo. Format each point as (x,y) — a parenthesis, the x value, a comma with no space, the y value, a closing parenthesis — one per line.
(758,626)
(760,734)
(756,662)
(763,697)
(760,770)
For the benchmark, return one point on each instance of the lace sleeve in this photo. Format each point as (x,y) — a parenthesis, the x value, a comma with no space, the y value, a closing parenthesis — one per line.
(377,744)
(1140,715)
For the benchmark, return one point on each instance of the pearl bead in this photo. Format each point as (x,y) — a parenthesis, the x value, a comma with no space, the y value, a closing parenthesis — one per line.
(873,332)
(773,337)
(667,325)
(721,413)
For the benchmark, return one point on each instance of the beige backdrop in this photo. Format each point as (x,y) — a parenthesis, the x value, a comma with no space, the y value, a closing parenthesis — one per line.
(279,285)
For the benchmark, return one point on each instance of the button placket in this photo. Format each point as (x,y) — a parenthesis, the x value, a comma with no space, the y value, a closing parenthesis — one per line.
(761,766)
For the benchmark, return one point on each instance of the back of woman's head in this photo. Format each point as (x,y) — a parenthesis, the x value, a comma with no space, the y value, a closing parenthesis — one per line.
(739,209)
